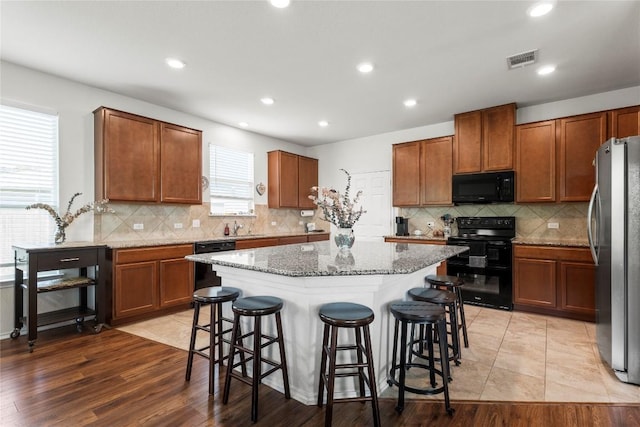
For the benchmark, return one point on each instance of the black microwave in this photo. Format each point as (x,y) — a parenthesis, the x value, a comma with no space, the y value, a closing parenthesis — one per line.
(490,187)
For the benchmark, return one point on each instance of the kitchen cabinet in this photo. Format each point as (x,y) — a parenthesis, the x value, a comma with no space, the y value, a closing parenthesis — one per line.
(484,140)
(554,280)
(317,237)
(422,172)
(624,122)
(81,267)
(275,241)
(536,162)
(290,240)
(442,268)
(256,243)
(290,179)
(579,137)
(138,159)
(148,281)
(554,158)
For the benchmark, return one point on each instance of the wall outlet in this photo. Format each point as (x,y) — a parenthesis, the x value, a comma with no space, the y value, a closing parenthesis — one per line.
(177,225)
(138,226)
(553,225)
(274,223)
(431,224)
(195,223)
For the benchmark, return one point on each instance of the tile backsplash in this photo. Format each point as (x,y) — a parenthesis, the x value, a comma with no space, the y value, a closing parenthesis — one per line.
(159,222)
(531,219)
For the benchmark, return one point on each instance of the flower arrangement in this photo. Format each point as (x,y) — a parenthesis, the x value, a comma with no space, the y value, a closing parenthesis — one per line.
(338,209)
(447,219)
(62,222)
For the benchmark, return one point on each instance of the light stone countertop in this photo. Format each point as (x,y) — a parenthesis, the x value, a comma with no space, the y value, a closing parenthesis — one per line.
(544,241)
(324,258)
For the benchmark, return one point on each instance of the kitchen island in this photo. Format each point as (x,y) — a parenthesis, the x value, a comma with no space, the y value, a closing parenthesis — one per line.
(308,275)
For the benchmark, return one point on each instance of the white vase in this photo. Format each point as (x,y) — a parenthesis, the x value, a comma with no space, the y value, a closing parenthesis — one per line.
(344,238)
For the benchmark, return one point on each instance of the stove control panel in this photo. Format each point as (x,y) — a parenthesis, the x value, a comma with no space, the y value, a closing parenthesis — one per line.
(488,223)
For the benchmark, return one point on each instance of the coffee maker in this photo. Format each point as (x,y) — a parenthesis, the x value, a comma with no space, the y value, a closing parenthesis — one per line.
(402,226)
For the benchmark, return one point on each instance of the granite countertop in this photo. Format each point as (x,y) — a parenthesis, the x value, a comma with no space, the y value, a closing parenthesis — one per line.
(545,241)
(29,247)
(324,258)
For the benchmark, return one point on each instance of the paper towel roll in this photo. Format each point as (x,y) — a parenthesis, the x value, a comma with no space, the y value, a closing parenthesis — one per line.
(306,213)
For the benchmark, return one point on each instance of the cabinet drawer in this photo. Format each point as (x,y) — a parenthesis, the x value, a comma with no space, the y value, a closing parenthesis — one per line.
(67,259)
(155,253)
(553,253)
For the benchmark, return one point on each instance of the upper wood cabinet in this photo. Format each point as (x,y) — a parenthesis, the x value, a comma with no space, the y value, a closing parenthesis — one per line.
(536,162)
(138,159)
(484,140)
(579,137)
(624,122)
(290,180)
(422,172)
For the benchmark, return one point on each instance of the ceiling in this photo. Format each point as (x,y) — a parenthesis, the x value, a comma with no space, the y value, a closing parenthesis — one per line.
(450,56)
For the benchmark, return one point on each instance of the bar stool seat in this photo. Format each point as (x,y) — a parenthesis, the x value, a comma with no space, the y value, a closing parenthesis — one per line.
(214,296)
(256,307)
(446,300)
(430,315)
(453,284)
(358,317)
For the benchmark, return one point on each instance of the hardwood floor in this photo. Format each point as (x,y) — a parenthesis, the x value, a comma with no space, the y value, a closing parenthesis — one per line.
(118,379)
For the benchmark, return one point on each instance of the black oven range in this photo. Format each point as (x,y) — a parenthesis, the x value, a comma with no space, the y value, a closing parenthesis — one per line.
(486,266)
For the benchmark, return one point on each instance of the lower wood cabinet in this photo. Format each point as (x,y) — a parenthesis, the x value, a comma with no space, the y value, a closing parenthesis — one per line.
(554,280)
(442,268)
(275,241)
(150,280)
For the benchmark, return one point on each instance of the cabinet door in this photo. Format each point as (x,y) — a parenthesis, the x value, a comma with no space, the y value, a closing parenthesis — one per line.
(580,137)
(436,172)
(498,126)
(283,180)
(135,289)
(291,240)
(176,282)
(534,282)
(256,243)
(128,147)
(406,174)
(467,146)
(317,237)
(307,178)
(536,162)
(624,122)
(180,165)
(577,288)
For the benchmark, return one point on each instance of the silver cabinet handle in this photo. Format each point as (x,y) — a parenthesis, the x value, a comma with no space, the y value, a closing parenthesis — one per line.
(69,259)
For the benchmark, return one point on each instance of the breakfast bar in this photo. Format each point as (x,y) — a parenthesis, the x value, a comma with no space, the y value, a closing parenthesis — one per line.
(308,275)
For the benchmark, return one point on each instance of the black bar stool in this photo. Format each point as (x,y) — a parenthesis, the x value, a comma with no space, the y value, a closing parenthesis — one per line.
(447,300)
(213,296)
(256,307)
(453,284)
(358,317)
(429,315)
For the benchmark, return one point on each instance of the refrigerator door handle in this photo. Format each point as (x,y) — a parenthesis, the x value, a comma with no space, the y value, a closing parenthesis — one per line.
(590,225)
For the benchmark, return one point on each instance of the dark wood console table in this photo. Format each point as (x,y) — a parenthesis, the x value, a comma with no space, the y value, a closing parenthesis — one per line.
(80,265)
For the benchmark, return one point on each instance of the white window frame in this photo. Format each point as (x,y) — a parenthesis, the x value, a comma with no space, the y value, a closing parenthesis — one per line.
(231,195)
(28,174)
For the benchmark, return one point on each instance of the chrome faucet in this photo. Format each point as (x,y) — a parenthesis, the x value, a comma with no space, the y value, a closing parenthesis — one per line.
(236,227)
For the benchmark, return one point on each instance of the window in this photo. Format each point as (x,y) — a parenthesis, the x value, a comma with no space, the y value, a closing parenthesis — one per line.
(28,174)
(231,185)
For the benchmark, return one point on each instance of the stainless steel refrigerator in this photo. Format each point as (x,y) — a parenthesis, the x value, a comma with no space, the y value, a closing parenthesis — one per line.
(614,237)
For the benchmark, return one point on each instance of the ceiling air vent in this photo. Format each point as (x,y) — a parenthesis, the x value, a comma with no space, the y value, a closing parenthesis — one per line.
(522,59)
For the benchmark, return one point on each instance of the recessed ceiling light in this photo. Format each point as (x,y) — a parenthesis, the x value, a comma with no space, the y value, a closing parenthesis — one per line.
(267,101)
(175,63)
(243,124)
(410,103)
(365,67)
(323,123)
(547,69)
(541,8)
(281,4)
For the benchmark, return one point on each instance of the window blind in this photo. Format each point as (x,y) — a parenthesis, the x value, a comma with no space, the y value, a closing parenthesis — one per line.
(231,181)
(28,174)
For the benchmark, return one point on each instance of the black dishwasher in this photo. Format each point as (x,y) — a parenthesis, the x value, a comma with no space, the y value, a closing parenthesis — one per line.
(205,276)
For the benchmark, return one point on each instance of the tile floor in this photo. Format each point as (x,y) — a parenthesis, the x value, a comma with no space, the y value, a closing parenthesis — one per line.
(512,356)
